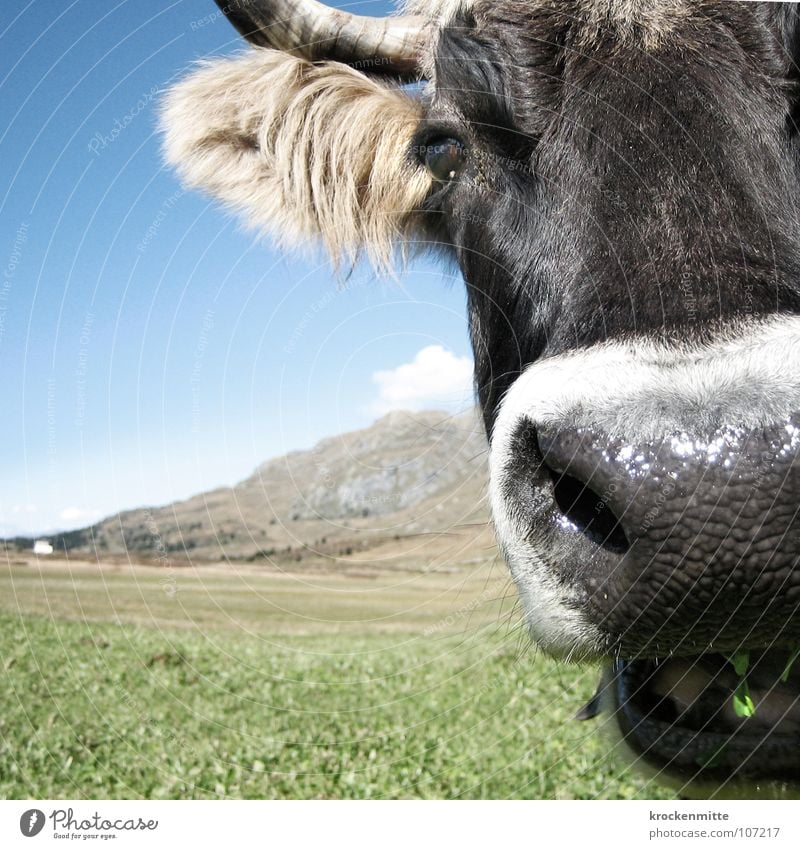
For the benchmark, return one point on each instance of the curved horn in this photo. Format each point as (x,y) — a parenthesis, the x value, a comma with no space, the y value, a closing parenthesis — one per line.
(391,46)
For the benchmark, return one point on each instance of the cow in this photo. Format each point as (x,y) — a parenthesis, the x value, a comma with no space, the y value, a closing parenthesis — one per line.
(619,184)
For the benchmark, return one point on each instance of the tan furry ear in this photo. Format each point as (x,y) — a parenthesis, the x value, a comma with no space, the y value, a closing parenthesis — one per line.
(302,150)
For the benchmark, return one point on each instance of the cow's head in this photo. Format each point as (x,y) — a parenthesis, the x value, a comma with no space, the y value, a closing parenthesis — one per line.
(618,181)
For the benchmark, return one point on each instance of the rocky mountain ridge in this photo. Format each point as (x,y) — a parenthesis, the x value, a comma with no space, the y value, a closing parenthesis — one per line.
(410,487)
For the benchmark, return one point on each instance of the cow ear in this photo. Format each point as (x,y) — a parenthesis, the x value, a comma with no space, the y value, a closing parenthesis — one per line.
(301,150)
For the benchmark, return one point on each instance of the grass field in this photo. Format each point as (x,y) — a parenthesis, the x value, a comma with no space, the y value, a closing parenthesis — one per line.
(131,682)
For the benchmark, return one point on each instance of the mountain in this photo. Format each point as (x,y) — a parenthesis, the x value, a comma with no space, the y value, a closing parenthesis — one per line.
(409,492)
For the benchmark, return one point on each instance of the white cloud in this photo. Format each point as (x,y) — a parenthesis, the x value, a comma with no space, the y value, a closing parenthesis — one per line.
(15,519)
(29,520)
(435,379)
(78,514)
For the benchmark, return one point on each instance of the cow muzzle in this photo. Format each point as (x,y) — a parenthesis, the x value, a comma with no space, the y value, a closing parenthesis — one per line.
(647,499)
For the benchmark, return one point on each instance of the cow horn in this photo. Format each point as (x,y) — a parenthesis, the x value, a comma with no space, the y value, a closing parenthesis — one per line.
(392,46)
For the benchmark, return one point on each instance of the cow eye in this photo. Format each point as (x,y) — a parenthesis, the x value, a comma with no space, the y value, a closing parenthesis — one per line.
(444,158)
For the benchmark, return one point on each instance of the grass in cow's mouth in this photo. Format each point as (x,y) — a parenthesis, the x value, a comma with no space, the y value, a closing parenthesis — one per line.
(728,715)
(743,704)
(788,668)
(742,700)
(741,662)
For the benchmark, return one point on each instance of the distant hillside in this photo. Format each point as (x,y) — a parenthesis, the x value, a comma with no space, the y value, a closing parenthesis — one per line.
(408,491)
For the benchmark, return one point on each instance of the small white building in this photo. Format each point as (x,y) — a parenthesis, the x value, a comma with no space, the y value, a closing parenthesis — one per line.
(42,546)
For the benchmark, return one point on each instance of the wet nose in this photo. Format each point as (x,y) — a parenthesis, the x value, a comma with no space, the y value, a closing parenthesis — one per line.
(697,534)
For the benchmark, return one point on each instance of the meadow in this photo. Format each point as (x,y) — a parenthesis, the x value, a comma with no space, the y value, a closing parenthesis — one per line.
(125,681)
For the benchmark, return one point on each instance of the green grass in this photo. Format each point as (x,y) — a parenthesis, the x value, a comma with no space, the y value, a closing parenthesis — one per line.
(128,708)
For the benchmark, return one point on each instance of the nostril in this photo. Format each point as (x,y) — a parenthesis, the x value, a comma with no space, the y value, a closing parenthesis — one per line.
(588,512)
(566,458)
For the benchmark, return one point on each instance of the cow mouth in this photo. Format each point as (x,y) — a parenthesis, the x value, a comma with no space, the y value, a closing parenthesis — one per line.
(701,721)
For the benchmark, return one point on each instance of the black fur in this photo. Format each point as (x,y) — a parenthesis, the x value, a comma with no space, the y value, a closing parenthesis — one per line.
(612,190)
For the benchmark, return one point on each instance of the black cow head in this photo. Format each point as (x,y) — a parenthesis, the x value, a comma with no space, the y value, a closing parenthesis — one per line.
(618,182)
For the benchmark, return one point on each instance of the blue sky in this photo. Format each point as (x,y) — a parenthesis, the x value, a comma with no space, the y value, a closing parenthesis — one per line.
(150,347)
